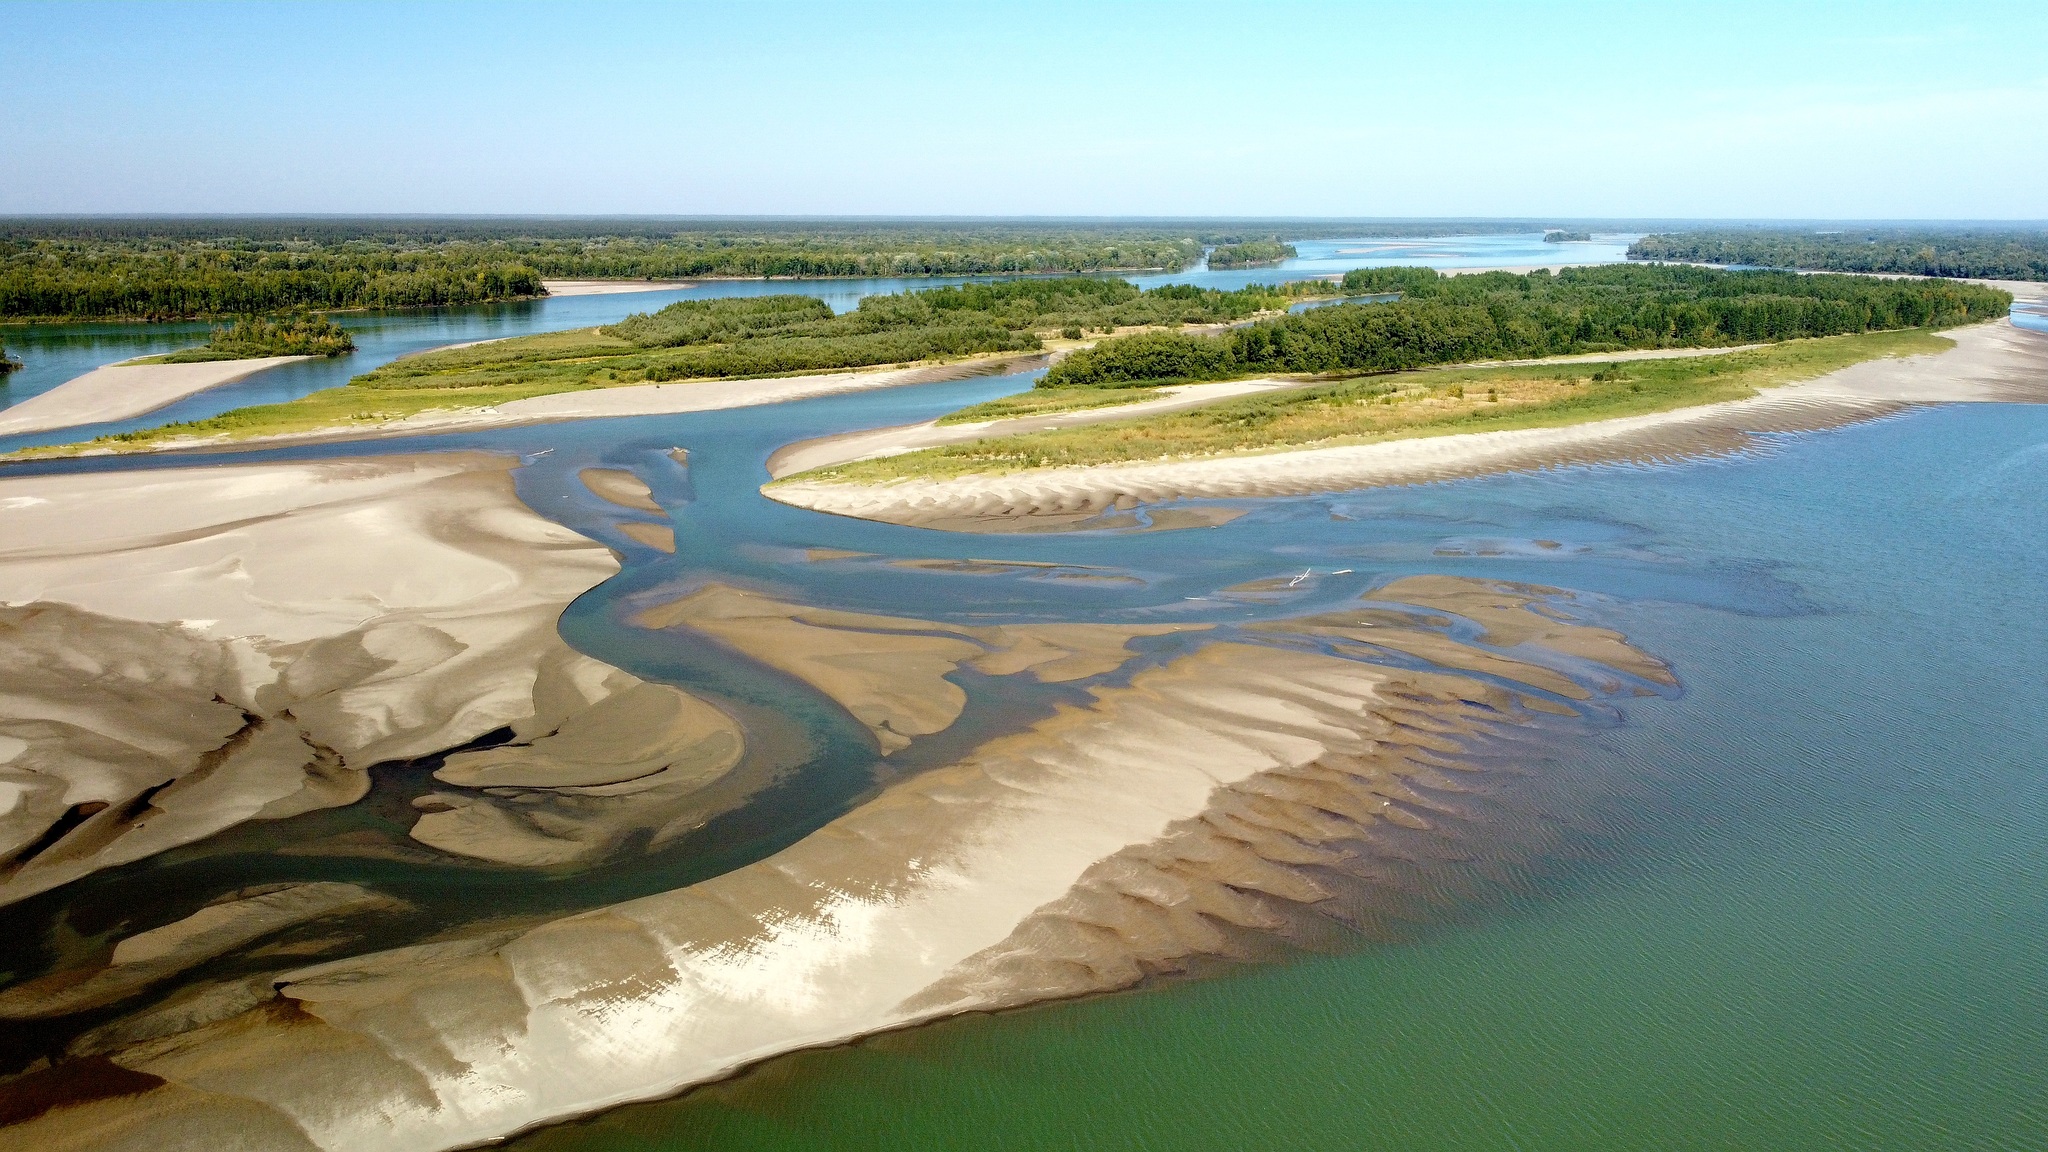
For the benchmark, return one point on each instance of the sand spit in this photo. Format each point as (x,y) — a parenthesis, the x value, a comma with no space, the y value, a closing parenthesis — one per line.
(186,649)
(119,391)
(825,451)
(612,287)
(890,672)
(1991,362)
(627,400)
(1306,793)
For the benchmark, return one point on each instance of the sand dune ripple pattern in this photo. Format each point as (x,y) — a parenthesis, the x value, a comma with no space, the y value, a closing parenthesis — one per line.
(1264,790)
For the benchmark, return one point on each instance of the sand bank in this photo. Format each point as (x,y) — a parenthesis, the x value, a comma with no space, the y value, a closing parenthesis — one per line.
(119,391)
(629,400)
(185,649)
(1990,362)
(1308,791)
(612,287)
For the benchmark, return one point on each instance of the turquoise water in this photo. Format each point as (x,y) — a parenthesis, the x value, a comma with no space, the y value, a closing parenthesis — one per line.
(1804,909)
(1817,922)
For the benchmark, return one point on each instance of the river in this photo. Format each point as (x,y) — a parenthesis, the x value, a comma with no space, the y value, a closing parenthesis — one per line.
(1800,901)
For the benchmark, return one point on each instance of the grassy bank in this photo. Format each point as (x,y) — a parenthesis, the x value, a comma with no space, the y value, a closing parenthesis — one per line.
(1046,402)
(738,338)
(1429,402)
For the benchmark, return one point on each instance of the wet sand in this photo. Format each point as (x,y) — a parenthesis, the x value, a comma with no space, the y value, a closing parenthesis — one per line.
(186,649)
(1308,794)
(119,391)
(1994,362)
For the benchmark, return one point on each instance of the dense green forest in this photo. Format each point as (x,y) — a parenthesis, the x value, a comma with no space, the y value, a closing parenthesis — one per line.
(249,338)
(765,335)
(1993,255)
(1562,236)
(112,267)
(1250,254)
(1499,315)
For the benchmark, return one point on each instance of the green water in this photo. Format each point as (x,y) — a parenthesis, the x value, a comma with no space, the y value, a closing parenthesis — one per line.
(1818,918)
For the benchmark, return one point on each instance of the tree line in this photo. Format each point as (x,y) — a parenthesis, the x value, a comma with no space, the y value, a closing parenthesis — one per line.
(1975,253)
(1250,254)
(765,335)
(251,337)
(1452,319)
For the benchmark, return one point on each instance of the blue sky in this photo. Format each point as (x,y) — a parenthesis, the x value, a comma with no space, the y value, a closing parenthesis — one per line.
(1780,109)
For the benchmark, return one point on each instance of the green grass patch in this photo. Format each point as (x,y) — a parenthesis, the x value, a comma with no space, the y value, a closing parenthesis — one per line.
(1046,401)
(1428,402)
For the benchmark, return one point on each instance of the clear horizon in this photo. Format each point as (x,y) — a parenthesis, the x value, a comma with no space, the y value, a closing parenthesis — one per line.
(1740,111)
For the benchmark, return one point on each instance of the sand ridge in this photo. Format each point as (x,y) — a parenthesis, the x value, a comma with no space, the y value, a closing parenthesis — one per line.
(1305,788)
(185,649)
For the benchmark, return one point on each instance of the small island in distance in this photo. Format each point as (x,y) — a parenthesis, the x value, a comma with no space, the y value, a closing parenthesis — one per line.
(1561,236)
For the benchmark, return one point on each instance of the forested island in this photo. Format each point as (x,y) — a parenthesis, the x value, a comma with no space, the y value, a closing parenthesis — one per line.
(182,268)
(1561,236)
(1981,253)
(8,363)
(1499,315)
(1250,254)
(747,336)
(250,338)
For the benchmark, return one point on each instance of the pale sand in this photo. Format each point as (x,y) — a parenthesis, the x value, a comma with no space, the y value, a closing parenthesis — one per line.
(1068,858)
(841,448)
(890,672)
(620,487)
(612,287)
(1991,362)
(192,648)
(825,451)
(629,400)
(119,391)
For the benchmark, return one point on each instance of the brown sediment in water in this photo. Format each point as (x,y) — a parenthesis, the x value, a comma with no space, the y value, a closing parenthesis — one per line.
(660,537)
(620,487)
(1994,362)
(890,672)
(1239,798)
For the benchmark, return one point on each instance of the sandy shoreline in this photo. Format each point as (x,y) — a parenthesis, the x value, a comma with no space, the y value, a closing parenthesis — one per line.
(600,403)
(1996,361)
(613,287)
(182,650)
(119,391)
(844,447)
(1064,859)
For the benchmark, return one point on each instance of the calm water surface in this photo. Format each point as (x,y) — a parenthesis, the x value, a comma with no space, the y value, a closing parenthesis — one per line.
(1811,914)
(54,353)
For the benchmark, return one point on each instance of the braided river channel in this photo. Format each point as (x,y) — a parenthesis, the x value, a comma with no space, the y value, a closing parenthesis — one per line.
(1797,898)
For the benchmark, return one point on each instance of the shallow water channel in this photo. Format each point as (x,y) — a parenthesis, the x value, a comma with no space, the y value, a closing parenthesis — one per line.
(1800,905)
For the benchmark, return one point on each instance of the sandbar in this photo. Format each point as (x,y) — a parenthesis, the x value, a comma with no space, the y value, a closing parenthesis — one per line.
(119,391)
(1308,790)
(612,287)
(1991,362)
(184,649)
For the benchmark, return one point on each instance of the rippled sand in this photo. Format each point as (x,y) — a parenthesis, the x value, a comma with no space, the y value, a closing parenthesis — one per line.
(1247,794)
(192,648)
